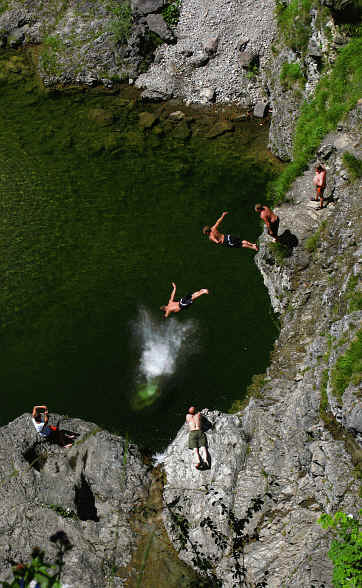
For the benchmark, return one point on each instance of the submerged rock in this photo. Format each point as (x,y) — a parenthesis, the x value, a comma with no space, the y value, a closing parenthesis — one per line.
(100,116)
(146,120)
(220,128)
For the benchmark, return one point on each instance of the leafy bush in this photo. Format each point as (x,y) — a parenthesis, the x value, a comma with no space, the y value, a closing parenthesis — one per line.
(280,251)
(335,95)
(39,571)
(122,22)
(171,13)
(294,23)
(348,367)
(353,165)
(290,74)
(345,550)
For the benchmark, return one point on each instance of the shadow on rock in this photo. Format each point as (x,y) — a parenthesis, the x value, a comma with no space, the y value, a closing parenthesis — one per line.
(289,241)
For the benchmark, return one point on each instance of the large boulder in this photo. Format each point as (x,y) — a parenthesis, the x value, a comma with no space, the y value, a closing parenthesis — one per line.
(157,25)
(87,491)
(147,6)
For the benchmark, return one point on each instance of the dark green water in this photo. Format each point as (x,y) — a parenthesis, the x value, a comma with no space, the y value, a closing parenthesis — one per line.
(96,221)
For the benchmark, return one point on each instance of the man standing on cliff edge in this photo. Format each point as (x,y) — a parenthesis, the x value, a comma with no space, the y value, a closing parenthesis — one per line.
(197,438)
(270,218)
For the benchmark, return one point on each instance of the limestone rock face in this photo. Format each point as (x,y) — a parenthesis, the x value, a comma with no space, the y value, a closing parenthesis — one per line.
(297,442)
(87,491)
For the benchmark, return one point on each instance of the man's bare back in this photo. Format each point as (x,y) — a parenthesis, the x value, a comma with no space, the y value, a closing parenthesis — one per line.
(270,218)
(194,421)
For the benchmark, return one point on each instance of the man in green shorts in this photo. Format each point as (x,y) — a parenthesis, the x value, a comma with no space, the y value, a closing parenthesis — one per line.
(197,438)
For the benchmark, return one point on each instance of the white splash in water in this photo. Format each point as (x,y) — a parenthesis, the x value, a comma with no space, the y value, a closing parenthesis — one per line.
(161,343)
(159,458)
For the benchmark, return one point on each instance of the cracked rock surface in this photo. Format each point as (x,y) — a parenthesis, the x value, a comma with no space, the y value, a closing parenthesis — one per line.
(296,444)
(87,491)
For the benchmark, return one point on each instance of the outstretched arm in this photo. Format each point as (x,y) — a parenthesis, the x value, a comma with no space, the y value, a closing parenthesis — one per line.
(35,409)
(173,292)
(219,220)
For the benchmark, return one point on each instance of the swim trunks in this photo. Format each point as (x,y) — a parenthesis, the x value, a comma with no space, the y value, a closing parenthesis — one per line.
(230,241)
(185,301)
(197,439)
(320,190)
(274,226)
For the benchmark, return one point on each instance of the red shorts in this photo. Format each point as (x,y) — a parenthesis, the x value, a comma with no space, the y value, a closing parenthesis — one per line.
(320,190)
(52,428)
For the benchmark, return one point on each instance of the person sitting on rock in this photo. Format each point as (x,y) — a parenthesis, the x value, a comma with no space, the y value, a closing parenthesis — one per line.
(227,240)
(270,218)
(49,432)
(177,305)
(197,439)
(319,181)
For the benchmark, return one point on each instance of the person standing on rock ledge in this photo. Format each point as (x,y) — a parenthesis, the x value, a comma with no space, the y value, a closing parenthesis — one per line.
(177,305)
(228,240)
(197,439)
(40,422)
(319,181)
(270,218)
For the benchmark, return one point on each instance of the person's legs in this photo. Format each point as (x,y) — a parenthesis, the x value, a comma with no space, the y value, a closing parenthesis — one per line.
(249,245)
(205,455)
(199,293)
(273,230)
(321,190)
(198,459)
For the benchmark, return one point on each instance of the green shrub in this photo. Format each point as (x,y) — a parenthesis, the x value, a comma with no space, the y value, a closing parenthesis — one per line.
(171,13)
(345,550)
(294,23)
(348,367)
(312,242)
(290,74)
(353,295)
(3,5)
(335,95)
(121,24)
(280,251)
(353,165)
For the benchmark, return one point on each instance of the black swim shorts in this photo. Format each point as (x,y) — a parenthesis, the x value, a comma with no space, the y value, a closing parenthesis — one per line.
(274,227)
(230,241)
(185,301)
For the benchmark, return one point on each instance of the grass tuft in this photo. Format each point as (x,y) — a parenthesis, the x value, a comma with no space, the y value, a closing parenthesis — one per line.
(348,368)
(291,74)
(353,165)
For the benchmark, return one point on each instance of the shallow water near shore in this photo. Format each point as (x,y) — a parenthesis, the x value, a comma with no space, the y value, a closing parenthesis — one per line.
(98,216)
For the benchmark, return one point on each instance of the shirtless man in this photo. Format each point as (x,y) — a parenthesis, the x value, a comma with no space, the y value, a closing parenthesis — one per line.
(270,218)
(319,181)
(40,422)
(197,438)
(177,305)
(227,240)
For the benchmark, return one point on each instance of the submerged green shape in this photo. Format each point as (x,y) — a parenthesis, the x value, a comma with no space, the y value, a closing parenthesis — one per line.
(145,396)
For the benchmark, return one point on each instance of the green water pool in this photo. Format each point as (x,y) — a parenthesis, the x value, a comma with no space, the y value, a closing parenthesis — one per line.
(98,216)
